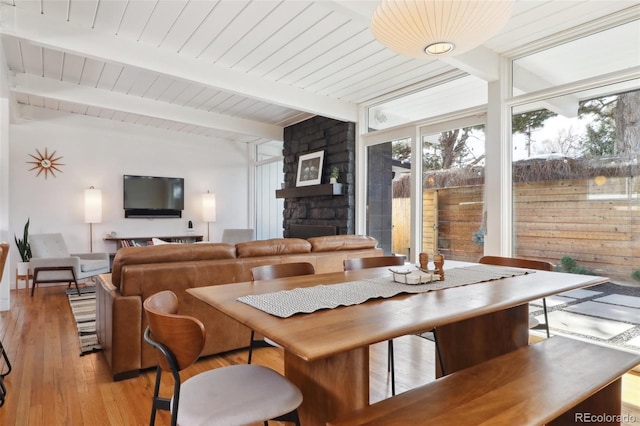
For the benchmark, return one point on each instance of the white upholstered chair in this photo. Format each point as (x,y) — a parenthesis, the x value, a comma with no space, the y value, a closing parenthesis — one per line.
(51,261)
(235,236)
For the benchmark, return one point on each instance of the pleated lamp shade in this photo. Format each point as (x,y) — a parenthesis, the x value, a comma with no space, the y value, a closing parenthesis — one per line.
(420,28)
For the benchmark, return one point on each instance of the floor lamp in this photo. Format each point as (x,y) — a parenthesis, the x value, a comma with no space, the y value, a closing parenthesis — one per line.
(92,210)
(208,210)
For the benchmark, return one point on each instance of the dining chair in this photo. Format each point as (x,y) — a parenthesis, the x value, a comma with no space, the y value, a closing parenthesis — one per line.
(270,272)
(518,262)
(375,262)
(4,252)
(232,395)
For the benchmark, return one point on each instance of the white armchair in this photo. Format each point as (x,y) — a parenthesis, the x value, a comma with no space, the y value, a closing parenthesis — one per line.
(51,261)
(235,236)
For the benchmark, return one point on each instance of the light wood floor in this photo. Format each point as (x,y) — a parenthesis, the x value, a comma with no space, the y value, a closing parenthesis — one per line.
(52,385)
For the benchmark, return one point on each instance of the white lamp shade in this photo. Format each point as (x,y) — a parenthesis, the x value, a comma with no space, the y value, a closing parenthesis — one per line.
(450,27)
(209,207)
(92,205)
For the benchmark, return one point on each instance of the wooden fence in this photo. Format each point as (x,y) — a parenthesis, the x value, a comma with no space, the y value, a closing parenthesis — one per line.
(598,225)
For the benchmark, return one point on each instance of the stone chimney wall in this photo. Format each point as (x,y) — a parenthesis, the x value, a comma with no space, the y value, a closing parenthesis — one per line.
(337,140)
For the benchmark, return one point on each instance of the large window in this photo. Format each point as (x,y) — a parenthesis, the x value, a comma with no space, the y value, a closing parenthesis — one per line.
(452,192)
(450,96)
(449,211)
(576,185)
(598,54)
(447,217)
(574,154)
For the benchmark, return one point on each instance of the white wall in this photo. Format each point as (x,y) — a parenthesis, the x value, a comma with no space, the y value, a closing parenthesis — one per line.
(98,152)
(4,175)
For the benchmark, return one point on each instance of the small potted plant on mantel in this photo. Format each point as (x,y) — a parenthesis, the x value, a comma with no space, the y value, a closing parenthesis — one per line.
(333,180)
(25,251)
(335,174)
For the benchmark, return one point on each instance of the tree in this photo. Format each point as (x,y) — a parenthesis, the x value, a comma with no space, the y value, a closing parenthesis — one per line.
(527,122)
(601,136)
(615,129)
(431,158)
(453,146)
(401,150)
(567,142)
(626,115)
(450,150)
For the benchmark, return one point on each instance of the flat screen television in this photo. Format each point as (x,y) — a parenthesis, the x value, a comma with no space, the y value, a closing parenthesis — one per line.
(153,196)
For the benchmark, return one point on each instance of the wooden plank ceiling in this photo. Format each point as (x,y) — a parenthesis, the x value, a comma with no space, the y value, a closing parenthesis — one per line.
(235,69)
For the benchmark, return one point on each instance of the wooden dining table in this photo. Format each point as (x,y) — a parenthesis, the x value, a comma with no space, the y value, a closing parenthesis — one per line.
(326,352)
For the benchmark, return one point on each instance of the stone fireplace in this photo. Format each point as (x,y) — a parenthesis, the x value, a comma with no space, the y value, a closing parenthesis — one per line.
(319,209)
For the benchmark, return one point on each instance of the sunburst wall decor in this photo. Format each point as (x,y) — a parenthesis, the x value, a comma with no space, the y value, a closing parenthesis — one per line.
(47,163)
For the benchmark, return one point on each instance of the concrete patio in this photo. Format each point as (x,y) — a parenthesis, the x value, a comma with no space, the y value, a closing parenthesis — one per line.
(607,313)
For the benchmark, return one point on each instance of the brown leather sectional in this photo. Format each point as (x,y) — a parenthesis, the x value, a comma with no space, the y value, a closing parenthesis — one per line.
(139,272)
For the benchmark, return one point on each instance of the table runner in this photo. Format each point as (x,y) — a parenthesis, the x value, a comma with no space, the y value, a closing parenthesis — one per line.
(286,303)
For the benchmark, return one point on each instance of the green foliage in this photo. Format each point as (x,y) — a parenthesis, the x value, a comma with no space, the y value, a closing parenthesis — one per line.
(23,244)
(599,141)
(527,122)
(335,172)
(450,151)
(570,265)
(601,132)
(636,275)
(401,150)
(478,236)
(431,162)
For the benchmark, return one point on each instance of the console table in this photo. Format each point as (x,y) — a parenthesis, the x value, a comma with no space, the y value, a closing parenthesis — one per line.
(145,241)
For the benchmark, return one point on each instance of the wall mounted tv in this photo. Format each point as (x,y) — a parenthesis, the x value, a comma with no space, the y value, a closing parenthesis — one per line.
(153,196)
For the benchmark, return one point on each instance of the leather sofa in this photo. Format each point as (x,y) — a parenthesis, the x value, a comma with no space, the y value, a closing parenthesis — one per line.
(139,272)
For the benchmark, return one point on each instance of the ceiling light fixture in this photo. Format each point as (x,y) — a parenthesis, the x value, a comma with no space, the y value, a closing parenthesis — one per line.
(421,28)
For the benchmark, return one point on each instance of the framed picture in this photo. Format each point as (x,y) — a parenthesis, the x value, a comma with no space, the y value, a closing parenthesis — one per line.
(310,168)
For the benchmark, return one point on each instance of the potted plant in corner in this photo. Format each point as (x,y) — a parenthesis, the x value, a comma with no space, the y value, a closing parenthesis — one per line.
(25,251)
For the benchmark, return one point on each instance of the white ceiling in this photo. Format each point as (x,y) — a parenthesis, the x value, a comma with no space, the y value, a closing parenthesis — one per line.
(236,69)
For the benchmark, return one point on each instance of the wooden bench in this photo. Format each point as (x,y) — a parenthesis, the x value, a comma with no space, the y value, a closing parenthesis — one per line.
(550,382)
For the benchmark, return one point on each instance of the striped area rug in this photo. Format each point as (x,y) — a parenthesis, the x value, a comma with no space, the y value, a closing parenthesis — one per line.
(83,308)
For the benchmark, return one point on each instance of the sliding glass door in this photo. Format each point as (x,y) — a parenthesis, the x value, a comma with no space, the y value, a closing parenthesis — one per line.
(453,191)
(388,217)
